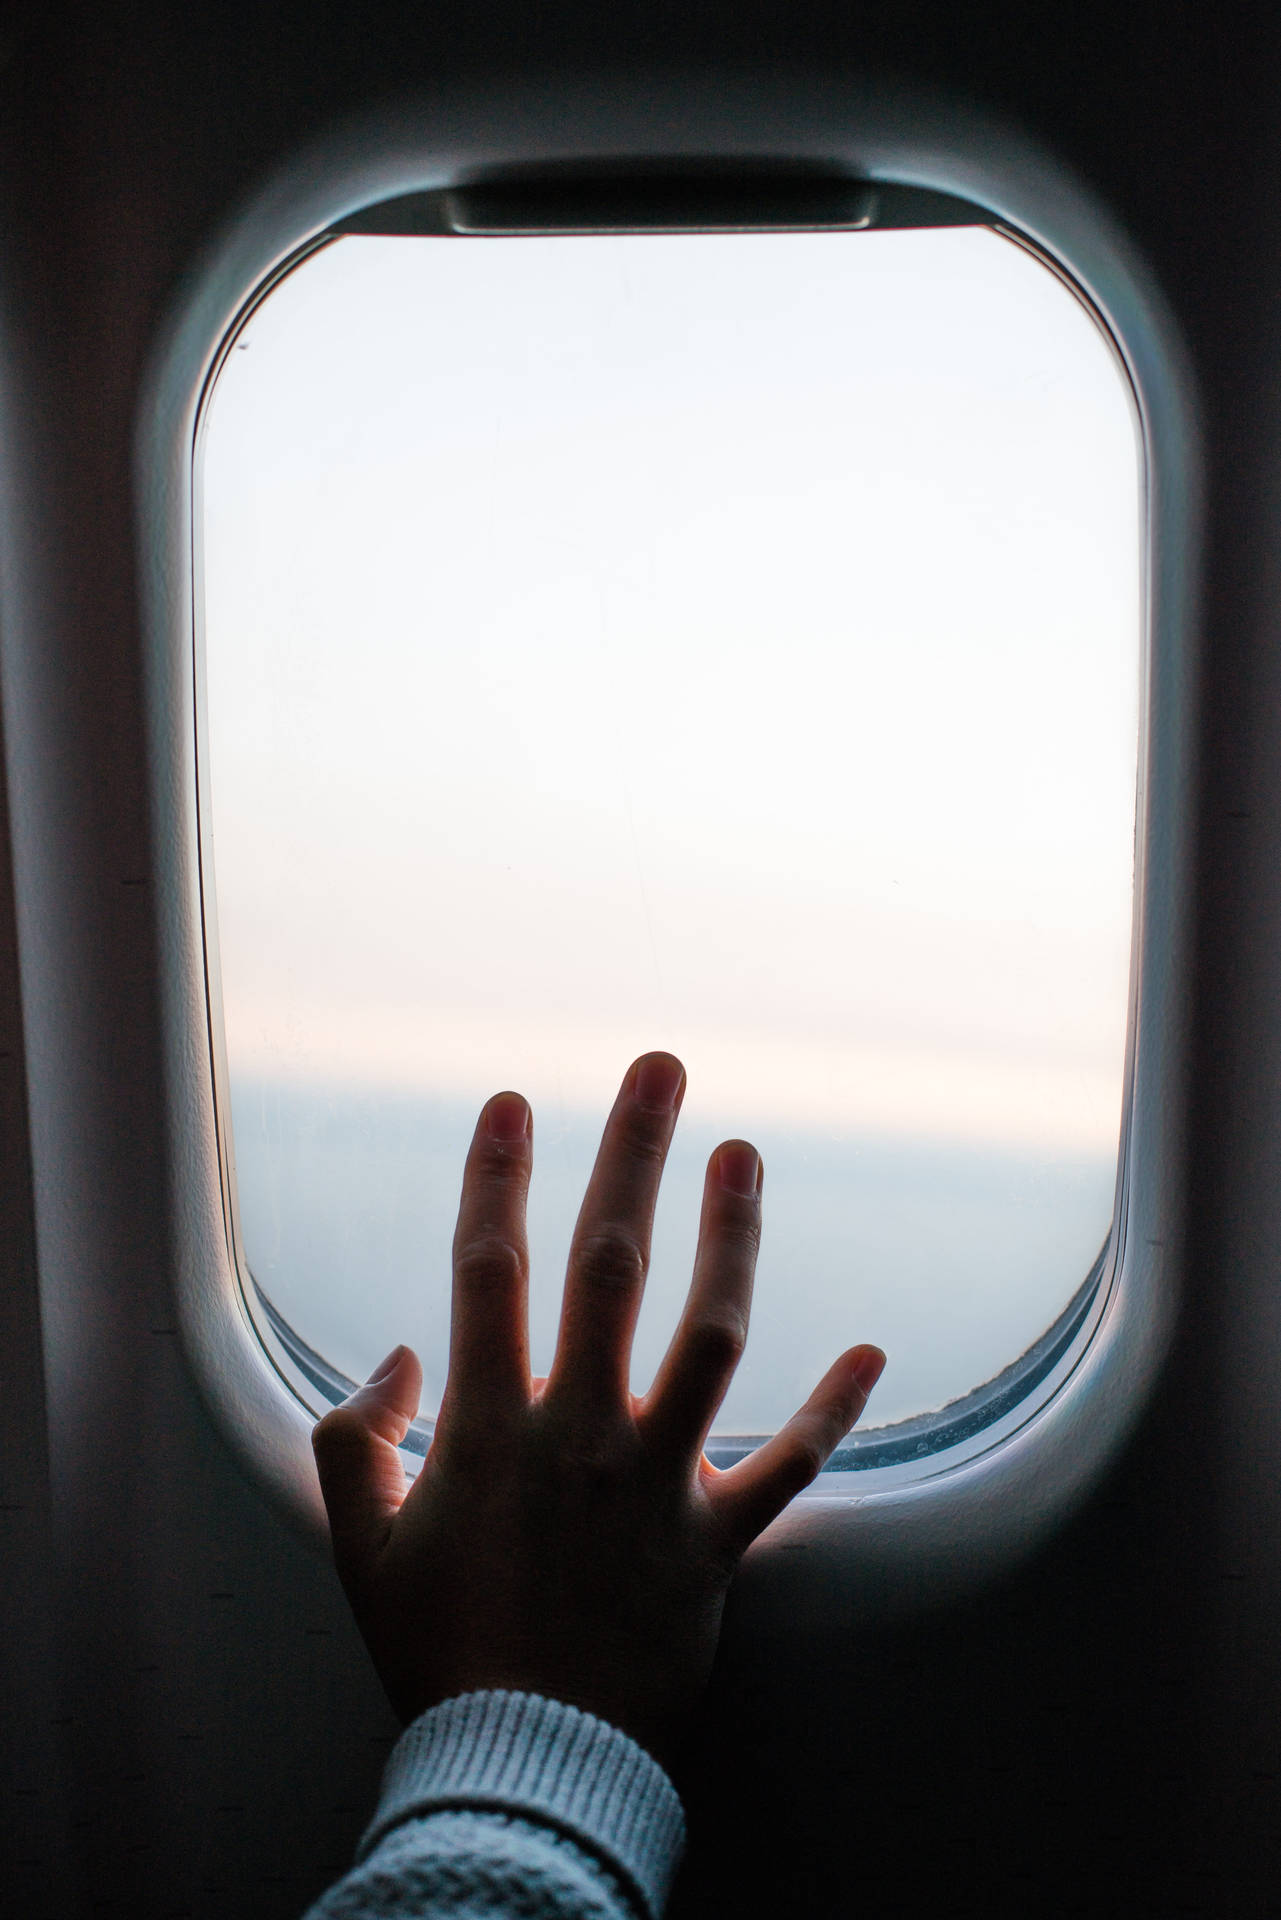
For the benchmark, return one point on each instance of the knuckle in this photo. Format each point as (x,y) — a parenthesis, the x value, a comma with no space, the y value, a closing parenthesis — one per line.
(718,1343)
(487,1260)
(591,1459)
(589,1452)
(643,1138)
(805,1458)
(839,1421)
(503,1160)
(612,1259)
(342,1431)
(465,1444)
(739,1230)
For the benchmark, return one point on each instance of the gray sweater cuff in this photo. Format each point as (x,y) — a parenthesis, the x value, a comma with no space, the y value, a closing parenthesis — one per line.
(520,1754)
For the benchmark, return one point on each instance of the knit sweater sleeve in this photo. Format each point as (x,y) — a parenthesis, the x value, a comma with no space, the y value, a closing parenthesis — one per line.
(508,1806)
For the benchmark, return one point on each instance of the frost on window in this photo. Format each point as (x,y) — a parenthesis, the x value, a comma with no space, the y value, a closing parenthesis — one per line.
(725,643)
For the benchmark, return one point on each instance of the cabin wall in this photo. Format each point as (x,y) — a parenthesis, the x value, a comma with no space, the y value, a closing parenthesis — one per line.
(192,1727)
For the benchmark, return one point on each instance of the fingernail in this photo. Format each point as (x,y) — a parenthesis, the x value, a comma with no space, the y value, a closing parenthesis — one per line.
(739,1167)
(868,1371)
(507,1117)
(385,1367)
(659,1079)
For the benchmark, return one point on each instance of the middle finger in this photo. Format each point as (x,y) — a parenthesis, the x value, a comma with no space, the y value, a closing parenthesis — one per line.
(609,1254)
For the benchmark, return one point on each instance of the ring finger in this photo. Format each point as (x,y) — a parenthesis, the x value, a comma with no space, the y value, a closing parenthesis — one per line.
(708,1343)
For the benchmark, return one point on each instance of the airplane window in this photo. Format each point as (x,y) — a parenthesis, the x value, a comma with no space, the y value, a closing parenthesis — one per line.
(726,642)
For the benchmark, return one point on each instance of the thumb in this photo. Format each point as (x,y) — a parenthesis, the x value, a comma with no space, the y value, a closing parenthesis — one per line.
(362,1480)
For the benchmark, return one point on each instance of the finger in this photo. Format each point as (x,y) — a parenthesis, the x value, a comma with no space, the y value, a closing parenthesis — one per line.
(751,1494)
(357,1449)
(488,1328)
(609,1254)
(708,1343)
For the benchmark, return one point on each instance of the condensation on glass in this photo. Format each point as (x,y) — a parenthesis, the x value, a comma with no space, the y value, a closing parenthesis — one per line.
(726,642)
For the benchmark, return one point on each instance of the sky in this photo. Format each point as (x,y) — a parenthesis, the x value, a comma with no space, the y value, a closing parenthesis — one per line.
(723,643)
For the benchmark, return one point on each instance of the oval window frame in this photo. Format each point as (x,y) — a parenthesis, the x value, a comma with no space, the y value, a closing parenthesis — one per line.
(974,1486)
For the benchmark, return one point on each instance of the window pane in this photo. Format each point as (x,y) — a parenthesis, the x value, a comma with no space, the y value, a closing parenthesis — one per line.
(726,643)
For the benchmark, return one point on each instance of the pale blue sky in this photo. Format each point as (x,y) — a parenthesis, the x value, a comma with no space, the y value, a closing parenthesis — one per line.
(722,643)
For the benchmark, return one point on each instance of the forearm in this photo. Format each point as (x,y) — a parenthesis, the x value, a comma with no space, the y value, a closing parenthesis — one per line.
(497,1804)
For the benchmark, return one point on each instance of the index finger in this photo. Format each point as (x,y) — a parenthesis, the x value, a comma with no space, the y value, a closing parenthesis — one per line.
(488,1326)
(609,1254)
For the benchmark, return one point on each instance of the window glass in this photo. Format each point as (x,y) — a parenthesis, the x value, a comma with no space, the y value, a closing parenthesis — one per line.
(726,643)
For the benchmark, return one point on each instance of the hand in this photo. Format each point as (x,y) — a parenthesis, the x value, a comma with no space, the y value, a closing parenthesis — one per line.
(565,1536)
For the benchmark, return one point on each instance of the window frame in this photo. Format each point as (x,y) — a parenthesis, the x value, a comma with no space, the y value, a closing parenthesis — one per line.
(957,1513)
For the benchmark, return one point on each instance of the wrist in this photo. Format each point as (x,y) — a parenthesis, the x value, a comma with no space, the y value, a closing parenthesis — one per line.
(539,1759)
